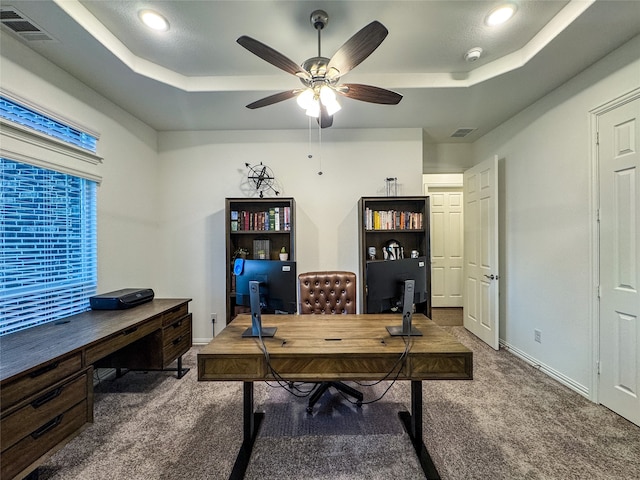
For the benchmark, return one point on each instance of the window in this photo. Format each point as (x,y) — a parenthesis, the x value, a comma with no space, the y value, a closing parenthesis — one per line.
(17,113)
(47,245)
(48,253)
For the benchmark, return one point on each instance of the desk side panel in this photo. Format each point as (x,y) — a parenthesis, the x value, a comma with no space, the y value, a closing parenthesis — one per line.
(227,368)
(455,366)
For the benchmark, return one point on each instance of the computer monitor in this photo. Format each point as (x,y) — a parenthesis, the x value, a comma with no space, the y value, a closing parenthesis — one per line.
(385,283)
(256,329)
(407,313)
(278,285)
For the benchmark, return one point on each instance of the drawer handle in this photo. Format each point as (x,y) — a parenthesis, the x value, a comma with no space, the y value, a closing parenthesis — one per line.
(47,426)
(177,324)
(47,397)
(178,340)
(43,370)
(129,331)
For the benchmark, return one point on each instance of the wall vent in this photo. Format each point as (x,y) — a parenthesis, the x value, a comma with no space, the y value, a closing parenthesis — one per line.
(462,132)
(19,24)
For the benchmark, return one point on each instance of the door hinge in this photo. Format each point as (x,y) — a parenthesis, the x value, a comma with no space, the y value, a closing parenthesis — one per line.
(599,291)
(598,367)
(598,215)
(597,138)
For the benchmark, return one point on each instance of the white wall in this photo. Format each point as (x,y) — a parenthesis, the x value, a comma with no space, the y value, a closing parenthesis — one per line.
(128,253)
(445,157)
(546,217)
(198,170)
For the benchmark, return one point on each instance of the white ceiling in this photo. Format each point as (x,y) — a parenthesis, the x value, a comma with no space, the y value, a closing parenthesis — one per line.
(196,77)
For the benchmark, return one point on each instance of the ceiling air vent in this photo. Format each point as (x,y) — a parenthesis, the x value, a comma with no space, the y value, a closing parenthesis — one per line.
(19,24)
(462,132)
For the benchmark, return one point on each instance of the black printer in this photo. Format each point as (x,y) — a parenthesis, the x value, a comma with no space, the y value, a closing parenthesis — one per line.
(121,299)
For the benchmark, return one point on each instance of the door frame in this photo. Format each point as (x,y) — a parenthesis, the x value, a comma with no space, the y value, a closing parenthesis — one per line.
(594,209)
(452,180)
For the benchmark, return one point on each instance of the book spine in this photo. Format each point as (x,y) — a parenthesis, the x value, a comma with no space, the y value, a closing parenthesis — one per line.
(271,224)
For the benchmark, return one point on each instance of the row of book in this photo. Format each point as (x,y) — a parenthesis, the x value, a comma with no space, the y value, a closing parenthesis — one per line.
(276,219)
(392,220)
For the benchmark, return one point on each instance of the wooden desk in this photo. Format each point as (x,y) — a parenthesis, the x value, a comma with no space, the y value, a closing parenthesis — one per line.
(334,347)
(46,381)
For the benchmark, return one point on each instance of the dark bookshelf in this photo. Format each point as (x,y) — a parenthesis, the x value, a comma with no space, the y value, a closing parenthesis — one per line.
(403,219)
(256,228)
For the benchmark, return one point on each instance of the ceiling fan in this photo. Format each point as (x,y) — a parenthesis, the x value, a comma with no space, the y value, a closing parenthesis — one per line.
(321,76)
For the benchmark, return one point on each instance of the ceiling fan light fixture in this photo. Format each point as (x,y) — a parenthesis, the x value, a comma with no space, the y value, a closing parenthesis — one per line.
(305,99)
(500,15)
(328,99)
(153,20)
(333,107)
(327,95)
(313,110)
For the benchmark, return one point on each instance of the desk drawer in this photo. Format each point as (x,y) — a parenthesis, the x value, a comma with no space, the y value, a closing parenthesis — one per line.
(41,378)
(42,408)
(176,339)
(48,435)
(117,341)
(174,314)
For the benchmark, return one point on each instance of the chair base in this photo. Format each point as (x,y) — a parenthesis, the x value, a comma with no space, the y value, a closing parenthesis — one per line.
(324,386)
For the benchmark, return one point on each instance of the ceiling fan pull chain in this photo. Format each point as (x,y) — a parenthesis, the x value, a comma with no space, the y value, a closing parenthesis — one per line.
(320,149)
(309,155)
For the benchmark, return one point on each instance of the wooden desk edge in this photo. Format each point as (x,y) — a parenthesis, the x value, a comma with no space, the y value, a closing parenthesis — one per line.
(230,364)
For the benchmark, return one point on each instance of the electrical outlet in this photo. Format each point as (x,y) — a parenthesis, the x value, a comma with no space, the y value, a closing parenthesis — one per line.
(214,317)
(537,335)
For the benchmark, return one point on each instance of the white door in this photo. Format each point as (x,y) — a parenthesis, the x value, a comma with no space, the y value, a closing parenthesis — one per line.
(619,179)
(480,311)
(446,246)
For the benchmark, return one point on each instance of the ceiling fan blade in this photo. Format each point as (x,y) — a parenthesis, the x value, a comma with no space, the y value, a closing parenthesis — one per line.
(368,93)
(272,56)
(271,99)
(324,119)
(357,48)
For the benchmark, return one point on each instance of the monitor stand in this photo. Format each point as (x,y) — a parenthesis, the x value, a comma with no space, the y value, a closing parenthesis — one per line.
(407,313)
(256,329)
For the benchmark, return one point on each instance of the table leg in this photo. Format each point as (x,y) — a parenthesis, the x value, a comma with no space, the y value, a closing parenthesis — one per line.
(252,421)
(181,371)
(412,422)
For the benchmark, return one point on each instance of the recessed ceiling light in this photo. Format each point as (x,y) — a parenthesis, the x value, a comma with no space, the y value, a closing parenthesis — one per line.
(500,15)
(154,20)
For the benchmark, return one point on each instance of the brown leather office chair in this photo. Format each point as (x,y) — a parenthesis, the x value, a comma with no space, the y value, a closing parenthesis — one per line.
(328,293)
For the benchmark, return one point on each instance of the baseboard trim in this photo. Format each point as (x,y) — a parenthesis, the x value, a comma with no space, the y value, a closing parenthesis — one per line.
(556,375)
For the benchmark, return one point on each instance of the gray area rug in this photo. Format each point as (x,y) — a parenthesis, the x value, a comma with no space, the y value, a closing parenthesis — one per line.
(510,422)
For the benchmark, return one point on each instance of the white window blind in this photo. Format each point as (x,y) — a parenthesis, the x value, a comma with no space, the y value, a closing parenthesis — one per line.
(28,117)
(48,248)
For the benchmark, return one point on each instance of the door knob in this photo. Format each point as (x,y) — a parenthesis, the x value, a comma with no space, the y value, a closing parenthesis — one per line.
(492,277)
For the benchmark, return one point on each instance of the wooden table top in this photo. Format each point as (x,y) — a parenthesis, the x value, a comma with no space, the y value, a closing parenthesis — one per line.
(334,347)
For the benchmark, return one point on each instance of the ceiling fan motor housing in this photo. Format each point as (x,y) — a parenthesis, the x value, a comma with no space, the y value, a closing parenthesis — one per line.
(319,19)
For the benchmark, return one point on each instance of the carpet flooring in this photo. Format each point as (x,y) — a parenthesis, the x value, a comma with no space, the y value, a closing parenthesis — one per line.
(510,422)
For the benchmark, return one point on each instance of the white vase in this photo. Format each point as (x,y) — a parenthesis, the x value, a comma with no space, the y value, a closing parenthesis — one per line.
(284,257)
